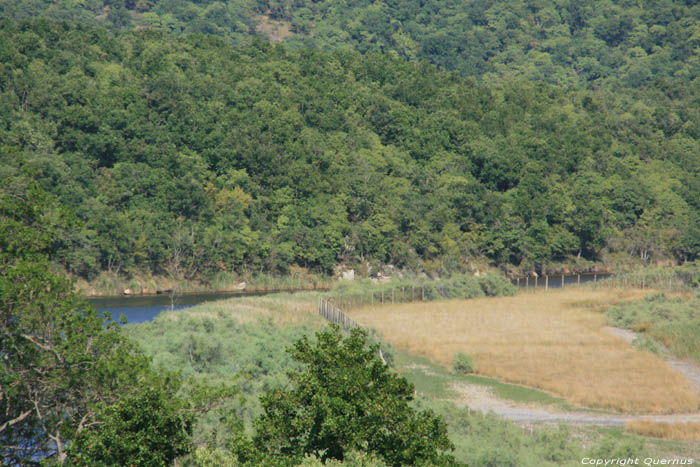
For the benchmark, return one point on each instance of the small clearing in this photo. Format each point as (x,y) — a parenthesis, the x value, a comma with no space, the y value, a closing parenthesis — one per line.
(276,31)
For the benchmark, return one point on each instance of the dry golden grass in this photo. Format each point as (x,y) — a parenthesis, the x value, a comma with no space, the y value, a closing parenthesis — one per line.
(683,431)
(549,340)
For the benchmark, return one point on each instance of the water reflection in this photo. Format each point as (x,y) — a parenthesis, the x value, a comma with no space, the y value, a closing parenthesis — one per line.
(144,308)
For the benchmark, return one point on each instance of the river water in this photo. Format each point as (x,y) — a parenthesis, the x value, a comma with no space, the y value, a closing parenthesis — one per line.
(143,308)
(557,281)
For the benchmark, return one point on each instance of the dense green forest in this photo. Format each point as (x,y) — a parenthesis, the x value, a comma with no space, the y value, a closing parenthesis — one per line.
(571,43)
(187,156)
(172,138)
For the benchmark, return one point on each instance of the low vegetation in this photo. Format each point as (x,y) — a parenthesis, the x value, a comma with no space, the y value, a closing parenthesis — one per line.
(680,279)
(254,333)
(359,293)
(550,340)
(462,363)
(666,323)
(236,342)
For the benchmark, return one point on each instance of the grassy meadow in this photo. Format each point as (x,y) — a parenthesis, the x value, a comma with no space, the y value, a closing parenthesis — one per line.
(554,341)
(242,342)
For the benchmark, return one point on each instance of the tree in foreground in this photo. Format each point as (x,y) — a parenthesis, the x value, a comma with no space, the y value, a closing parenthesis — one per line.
(63,365)
(145,429)
(346,399)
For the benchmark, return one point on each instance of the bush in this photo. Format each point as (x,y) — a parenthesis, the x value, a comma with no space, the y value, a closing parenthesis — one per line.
(644,343)
(462,286)
(496,285)
(463,363)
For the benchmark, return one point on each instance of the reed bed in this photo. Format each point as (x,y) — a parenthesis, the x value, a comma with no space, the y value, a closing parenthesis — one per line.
(553,341)
(682,431)
(281,309)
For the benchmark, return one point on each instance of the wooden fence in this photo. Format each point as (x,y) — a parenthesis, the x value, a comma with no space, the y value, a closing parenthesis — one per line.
(333,314)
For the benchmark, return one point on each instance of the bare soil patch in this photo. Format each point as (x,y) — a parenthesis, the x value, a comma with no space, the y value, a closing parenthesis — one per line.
(276,31)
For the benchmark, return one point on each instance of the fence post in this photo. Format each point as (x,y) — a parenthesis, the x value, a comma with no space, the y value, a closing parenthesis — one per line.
(527,282)
(546,282)
(518,282)
(535,281)
(422,293)
(392,295)
(562,281)
(578,279)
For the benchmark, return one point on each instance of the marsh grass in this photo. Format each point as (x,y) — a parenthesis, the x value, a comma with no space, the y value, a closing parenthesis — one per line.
(243,342)
(553,341)
(684,431)
(680,279)
(281,309)
(356,294)
(434,381)
(667,323)
(111,284)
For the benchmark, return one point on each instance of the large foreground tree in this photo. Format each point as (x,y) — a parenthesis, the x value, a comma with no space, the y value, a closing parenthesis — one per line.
(346,399)
(61,363)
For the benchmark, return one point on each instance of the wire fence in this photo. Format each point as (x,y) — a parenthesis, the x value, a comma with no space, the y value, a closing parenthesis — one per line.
(662,279)
(558,281)
(333,314)
(392,295)
(667,280)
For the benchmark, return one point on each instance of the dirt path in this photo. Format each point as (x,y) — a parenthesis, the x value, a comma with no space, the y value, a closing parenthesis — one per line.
(687,369)
(478,397)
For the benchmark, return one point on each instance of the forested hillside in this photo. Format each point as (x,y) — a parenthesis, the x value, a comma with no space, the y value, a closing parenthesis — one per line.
(185,155)
(571,43)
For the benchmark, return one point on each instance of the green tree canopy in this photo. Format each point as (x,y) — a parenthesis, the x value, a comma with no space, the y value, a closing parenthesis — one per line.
(61,362)
(347,399)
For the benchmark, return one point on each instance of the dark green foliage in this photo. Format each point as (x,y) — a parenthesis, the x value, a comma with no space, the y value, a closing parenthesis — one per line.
(186,157)
(145,429)
(346,399)
(582,44)
(62,363)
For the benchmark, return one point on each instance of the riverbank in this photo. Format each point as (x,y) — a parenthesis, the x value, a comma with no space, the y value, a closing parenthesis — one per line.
(113,285)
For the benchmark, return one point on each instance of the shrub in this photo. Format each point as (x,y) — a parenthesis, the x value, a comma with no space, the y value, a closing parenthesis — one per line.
(644,343)
(463,363)
(496,285)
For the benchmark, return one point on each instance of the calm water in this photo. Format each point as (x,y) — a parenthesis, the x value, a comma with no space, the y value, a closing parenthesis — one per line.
(140,309)
(555,281)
